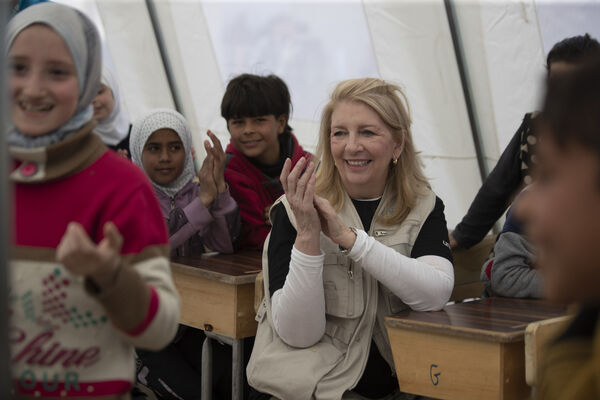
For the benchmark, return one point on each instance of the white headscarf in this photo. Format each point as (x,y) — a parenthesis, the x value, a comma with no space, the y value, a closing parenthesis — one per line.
(115,127)
(83,42)
(163,118)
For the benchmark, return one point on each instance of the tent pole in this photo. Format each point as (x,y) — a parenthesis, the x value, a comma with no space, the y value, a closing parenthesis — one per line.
(466,86)
(5,224)
(163,55)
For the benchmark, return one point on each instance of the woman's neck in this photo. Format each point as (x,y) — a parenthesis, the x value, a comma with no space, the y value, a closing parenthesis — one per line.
(364,192)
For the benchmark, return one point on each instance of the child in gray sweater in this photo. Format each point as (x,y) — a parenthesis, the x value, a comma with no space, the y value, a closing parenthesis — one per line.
(510,273)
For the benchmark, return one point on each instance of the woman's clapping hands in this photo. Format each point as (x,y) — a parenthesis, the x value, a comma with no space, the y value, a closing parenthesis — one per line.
(313,213)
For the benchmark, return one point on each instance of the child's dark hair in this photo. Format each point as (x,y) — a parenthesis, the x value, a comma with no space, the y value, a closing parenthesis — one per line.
(574,49)
(572,107)
(250,95)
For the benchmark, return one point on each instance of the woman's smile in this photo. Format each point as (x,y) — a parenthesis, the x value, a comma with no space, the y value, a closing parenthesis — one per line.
(357,164)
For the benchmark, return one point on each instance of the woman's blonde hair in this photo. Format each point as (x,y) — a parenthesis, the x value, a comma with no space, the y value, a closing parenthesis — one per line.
(406,180)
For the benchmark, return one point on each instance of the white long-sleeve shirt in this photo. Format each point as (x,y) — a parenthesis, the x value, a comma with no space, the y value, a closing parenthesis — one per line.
(298,308)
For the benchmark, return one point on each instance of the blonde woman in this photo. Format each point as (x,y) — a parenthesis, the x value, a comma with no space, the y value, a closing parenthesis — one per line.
(363,238)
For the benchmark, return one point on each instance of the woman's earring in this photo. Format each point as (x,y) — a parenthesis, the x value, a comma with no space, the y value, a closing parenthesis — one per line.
(395,161)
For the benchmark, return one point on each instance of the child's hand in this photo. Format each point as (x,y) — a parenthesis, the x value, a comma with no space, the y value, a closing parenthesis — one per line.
(123,153)
(453,243)
(208,186)
(81,256)
(219,160)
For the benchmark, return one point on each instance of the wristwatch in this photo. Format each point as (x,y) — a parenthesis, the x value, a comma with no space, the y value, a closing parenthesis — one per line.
(346,251)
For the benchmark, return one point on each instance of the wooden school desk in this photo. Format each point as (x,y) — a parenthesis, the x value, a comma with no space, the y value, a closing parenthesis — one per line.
(470,350)
(217,296)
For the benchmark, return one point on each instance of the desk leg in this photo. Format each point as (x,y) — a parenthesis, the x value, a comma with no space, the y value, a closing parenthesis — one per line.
(237,369)
(206,372)
(237,365)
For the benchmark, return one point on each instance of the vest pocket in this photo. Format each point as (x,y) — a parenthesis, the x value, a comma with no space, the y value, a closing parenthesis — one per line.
(342,282)
(337,329)
(288,372)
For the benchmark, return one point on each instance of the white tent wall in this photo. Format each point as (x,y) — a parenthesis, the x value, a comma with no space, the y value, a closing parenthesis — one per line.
(130,39)
(505,71)
(516,63)
(561,19)
(469,25)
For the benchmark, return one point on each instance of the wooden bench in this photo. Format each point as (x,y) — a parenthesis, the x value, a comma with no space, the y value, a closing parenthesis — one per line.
(467,269)
(472,350)
(537,337)
(217,296)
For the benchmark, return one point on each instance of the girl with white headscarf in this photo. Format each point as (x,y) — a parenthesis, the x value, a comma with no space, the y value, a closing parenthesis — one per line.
(199,214)
(90,271)
(113,125)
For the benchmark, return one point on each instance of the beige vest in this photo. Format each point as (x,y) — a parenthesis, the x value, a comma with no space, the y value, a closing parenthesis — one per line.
(355,305)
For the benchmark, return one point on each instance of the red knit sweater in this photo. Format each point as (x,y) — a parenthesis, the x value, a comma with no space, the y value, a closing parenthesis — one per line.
(67,339)
(253,191)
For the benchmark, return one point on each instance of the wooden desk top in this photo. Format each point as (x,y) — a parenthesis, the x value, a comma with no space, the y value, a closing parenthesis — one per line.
(236,269)
(493,319)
